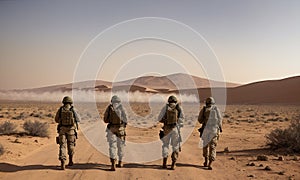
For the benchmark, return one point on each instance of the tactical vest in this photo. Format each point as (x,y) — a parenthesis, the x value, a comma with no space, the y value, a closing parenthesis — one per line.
(114,117)
(66,117)
(172,116)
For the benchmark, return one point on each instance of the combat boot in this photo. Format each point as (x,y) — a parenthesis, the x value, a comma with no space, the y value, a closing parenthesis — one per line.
(113,164)
(209,165)
(164,166)
(119,165)
(205,162)
(173,166)
(70,160)
(62,164)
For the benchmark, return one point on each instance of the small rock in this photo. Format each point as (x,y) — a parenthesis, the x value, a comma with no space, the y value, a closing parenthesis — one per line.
(281,158)
(262,158)
(281,173)
(267,168)
(233,158)
(261,165)
(17,141)
(251,175)
(226,150)
(251,164)
(36,141)
(296,158)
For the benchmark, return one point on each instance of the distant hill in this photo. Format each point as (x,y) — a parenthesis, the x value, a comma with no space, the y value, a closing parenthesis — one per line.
(284,91)
(171,82)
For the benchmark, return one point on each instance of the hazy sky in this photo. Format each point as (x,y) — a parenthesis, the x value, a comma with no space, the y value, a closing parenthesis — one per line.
(41,41)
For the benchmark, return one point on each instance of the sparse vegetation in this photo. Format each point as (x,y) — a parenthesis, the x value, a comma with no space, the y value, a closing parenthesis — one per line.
(1,150)
(7,128)
(36,128)
(286,138)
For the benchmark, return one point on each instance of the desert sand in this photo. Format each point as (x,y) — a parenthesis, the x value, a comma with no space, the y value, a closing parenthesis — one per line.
(244,130)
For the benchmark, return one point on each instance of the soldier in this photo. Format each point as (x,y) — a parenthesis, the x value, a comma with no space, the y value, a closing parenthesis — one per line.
(211,121)
(67,120)
(116,118)
(172,116)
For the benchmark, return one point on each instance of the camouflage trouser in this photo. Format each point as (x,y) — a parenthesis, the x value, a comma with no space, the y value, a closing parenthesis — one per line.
(116,140)
(171,137)
(210,150)
(66,138)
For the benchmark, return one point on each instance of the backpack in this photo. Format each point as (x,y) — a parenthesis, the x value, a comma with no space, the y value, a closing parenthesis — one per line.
(66,117)
(114,117)
(172,115)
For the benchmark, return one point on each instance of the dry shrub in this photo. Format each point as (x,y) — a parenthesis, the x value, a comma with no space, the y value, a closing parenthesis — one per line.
(7,128)
(286,138)
(36,128)
(1,150)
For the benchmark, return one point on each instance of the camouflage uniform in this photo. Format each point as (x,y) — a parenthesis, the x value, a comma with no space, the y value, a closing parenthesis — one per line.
(115,131)
(66,133)
(211,117)
(171,132)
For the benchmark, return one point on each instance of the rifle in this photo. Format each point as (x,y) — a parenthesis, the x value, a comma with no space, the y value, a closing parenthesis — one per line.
(180,139)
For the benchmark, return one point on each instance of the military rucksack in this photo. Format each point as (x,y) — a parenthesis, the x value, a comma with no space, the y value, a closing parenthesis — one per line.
(66,116)
(172,115)
(114,117)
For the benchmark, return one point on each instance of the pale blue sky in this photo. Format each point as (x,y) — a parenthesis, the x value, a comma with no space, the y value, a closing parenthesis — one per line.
(41,41)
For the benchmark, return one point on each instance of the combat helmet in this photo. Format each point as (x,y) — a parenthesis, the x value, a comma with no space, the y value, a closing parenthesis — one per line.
(115,99)
(210,100)
(67,99)
(172,99)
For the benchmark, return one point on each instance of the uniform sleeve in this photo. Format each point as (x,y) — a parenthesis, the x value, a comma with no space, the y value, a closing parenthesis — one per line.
(162,114)
(57,116)
(106,115)
(200,117)
(180,116)
(77,117)
(124,116)
(219,118)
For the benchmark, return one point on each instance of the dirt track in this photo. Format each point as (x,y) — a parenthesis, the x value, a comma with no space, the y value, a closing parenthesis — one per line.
(90,164)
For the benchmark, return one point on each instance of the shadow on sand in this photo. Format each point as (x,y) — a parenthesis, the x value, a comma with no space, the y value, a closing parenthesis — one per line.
(6,167)
(250,152)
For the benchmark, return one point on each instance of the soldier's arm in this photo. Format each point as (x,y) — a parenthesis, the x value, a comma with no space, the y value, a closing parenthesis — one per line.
(181,116)
(124,116)
(162,114)
(219,119)
(106,115)
(200,117)
(76,115)
(57,116)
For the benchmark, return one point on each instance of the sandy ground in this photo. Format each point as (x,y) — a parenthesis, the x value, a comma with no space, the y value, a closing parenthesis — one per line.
(244,133)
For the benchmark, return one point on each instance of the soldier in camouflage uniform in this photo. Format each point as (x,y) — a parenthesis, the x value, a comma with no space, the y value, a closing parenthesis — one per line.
(67,120)
(211,121)
(172,117)
(116,118)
